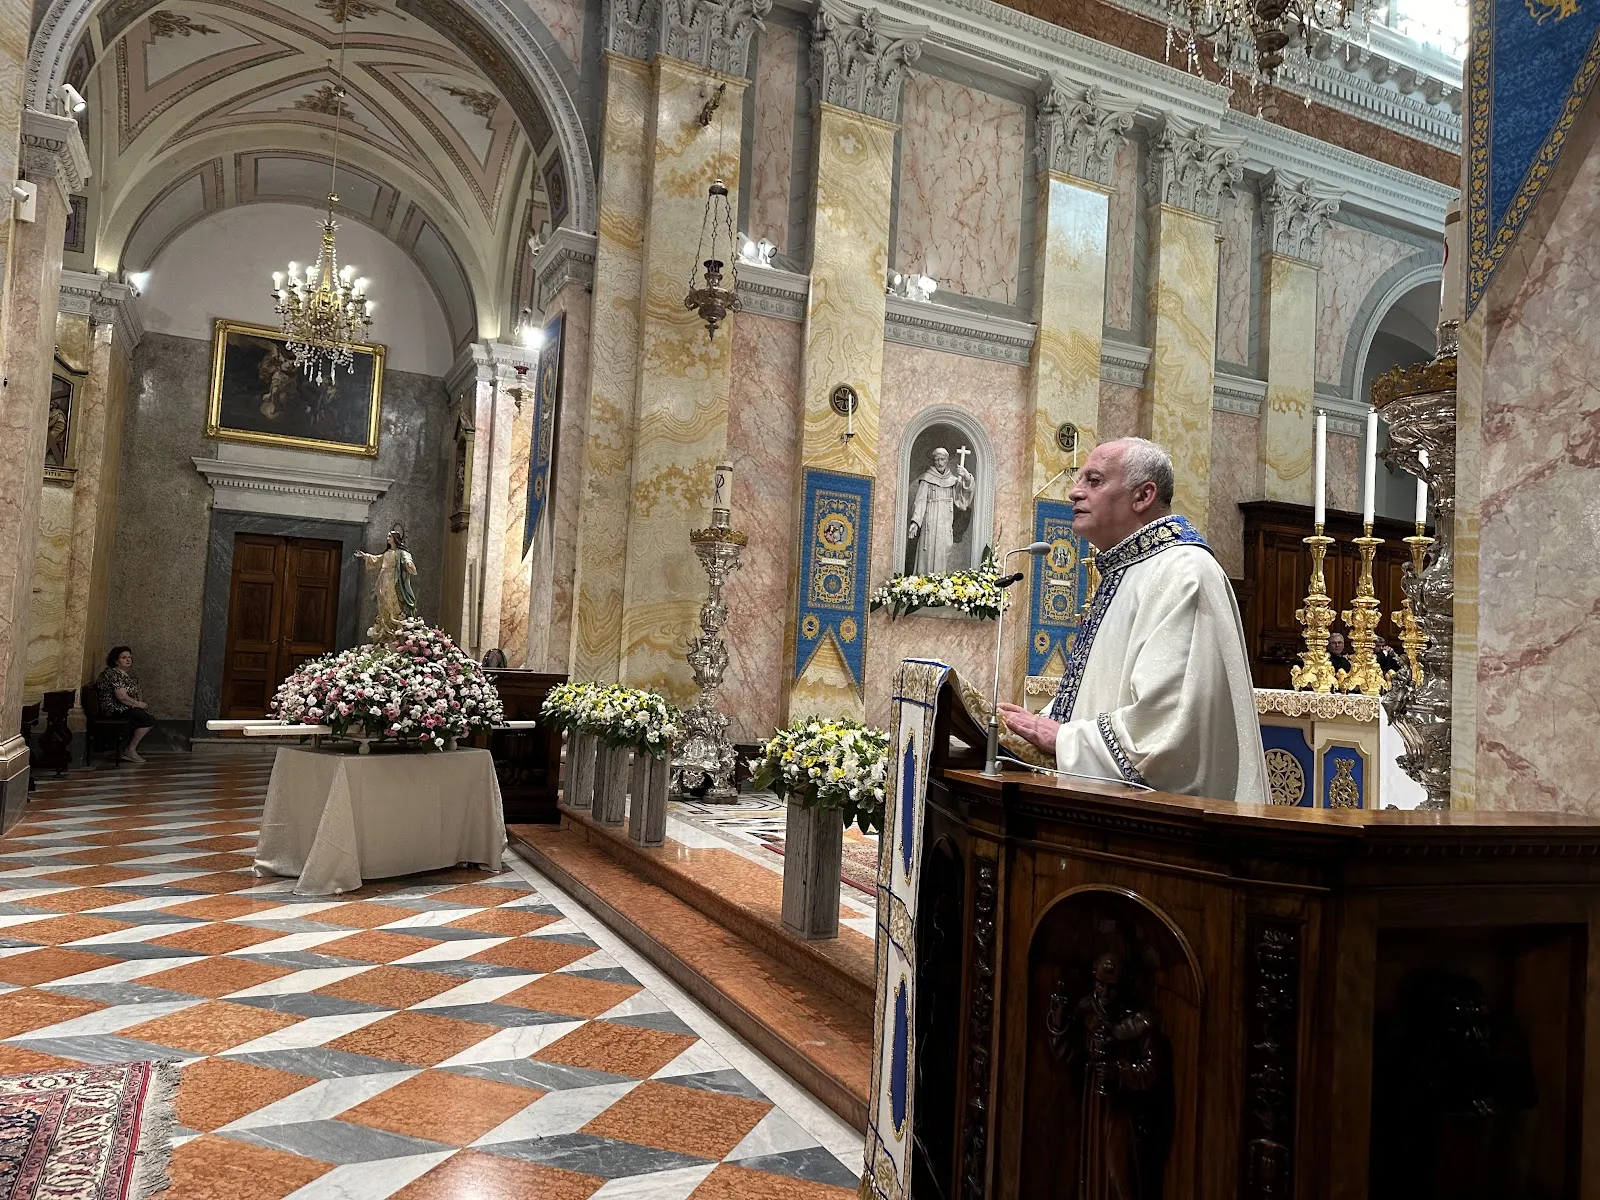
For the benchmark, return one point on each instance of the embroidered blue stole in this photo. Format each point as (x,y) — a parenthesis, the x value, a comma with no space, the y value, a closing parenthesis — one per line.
(1113,565)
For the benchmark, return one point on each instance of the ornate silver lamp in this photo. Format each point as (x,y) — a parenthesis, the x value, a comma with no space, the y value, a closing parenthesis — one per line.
(706,753)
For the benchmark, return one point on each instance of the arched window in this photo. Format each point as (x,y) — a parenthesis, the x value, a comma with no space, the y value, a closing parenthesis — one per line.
(971,527)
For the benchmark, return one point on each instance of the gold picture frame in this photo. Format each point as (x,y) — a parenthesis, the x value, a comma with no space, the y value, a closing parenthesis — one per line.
(259,395)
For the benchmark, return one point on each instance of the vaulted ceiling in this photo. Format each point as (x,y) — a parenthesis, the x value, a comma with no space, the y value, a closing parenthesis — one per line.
(201,105)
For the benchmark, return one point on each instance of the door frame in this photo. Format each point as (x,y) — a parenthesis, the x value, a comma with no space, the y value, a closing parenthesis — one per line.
(218,588)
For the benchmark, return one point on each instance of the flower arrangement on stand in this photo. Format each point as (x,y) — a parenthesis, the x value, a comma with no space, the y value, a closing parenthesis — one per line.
(976,593)
(625,717)
(825,764)
(604,722)
(418,689)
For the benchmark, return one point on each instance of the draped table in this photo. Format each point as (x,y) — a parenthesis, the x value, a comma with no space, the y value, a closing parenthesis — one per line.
(334,819)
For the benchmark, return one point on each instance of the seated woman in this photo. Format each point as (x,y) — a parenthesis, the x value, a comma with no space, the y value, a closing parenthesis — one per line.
(119,697)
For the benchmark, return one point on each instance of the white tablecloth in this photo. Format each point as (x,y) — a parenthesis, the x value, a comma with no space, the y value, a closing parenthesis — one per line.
(333,819)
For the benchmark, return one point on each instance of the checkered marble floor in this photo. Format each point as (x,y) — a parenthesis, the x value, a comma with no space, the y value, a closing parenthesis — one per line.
(453,1036)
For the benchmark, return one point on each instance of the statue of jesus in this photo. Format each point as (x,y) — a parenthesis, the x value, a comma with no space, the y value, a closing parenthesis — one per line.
(940,492)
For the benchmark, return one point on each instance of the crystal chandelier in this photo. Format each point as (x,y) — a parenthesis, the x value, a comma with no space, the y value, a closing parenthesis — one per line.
(325,312)
(1260,40)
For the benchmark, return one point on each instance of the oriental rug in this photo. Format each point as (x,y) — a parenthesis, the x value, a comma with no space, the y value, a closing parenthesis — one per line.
(101,1131)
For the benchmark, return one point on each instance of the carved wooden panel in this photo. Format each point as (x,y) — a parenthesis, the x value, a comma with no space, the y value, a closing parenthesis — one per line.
(980,1030)
(1272,1022)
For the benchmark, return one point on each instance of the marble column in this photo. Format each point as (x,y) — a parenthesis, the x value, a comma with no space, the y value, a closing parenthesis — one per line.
(857,81)
(1080,131)
(564,277)
(1294,214)
(603,471)
(681,415)
(1191,167)
(516,405)
(54,159)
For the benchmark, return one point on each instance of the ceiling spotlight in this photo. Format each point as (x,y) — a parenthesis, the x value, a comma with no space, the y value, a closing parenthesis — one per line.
(20,191)
(138,281)
(72,101)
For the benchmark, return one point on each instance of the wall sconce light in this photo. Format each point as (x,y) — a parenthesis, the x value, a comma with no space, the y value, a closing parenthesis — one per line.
(918,288)
(756,254)
(72,101)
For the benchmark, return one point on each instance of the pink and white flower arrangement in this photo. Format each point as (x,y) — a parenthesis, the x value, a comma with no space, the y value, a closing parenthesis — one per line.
(419,689)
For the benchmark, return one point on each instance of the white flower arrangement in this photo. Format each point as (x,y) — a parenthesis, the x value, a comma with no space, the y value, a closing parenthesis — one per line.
(828,764)
(619,716)
(418,689)
(976,593)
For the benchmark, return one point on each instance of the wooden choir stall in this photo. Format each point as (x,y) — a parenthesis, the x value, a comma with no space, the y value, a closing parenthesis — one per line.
(1125,994)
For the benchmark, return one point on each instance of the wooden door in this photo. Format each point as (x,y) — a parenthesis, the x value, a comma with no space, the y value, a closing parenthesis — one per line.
(282,610)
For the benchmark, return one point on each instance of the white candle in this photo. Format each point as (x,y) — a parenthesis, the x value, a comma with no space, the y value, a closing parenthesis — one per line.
(1369,496)
(1422,494)
(722,488)
(1322,468)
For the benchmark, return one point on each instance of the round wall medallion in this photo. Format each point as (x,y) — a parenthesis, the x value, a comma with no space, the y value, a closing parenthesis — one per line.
(844,400)
(1067,437)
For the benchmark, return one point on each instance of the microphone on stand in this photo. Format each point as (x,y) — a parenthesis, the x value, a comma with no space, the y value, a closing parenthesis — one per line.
(991,763)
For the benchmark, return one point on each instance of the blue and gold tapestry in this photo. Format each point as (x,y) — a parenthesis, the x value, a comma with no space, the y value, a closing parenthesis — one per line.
(542,442)
(835,537)
(1060,580)
(1530,67)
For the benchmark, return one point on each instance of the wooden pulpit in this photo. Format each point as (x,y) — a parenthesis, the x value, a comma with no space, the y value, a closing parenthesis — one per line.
(1158,997)
(527,762)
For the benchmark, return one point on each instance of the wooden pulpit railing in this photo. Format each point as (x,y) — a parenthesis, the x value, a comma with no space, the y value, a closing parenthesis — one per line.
(1142,995)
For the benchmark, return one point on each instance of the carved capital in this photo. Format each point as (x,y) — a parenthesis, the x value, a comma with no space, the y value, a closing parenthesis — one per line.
(1080,129)
(631,27)
(712,34)
(52,149)
(1294,216)
(1193,166)
(859,58)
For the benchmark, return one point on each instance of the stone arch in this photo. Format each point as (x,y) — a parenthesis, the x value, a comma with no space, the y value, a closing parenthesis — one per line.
(1405,276)
(514,31)
(983,467)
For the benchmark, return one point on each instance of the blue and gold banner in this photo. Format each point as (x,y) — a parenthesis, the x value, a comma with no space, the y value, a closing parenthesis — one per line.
(1060,580)
(1531,65)
(542,443)
(835,529)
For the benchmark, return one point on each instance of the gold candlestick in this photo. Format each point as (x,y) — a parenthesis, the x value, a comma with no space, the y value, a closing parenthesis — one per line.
(1361,618)
(1092,584)
(1315,672)
(1412,638)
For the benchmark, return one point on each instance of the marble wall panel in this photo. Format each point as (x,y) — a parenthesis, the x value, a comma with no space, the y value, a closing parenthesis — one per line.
(844,339)
(1353,260)
(1069,311)
(962,165)
(94,627)
(1182,371)
(682,408)
(613,375)
(516,568)
(1233,277)
(561,518)
(1234,480)
(1120,407)
(32,283)
(1288,420)
(1122,237)
(52,579)
(772,143)
(915,379)
(159,555)
(1344,472)
(1468,531)
(763,445)
(1538,630)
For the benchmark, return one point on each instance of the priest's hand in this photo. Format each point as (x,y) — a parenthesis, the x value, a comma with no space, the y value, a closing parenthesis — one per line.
(913,530)
(1038,729)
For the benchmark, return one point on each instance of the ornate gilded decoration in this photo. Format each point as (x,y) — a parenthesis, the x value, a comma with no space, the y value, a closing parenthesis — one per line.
(1286,778)
(1439,375)
(1361,619)
(1320,706)
(1315,672)
(1343,791)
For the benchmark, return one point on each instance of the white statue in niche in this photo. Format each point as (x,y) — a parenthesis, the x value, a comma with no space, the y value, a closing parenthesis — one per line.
(941,493)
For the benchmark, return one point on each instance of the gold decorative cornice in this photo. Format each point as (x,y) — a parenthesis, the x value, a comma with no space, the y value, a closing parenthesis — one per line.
(1320,706)
(1418,380)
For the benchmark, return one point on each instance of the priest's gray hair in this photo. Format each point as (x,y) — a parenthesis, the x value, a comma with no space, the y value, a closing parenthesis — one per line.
(1145,462)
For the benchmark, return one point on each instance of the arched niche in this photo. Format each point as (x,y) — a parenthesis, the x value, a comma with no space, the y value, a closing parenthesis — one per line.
(1156,1057)
(951,428)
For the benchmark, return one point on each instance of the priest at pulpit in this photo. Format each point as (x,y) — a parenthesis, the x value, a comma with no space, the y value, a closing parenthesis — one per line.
(1157,690)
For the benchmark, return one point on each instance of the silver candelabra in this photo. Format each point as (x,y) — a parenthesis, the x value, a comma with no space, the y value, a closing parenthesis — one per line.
(1419,405)
(705,753)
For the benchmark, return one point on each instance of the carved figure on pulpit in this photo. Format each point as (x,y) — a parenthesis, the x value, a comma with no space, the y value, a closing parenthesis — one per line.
(941,493)
(1117,1054)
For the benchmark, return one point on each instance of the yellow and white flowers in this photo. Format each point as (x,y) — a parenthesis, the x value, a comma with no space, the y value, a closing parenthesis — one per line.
(619,716)
(828,764)
(975,593)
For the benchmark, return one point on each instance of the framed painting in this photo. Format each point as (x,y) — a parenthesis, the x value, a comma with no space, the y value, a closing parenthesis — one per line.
(259,395)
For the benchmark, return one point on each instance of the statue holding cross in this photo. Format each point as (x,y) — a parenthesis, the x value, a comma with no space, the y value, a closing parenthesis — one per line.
(941,492)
